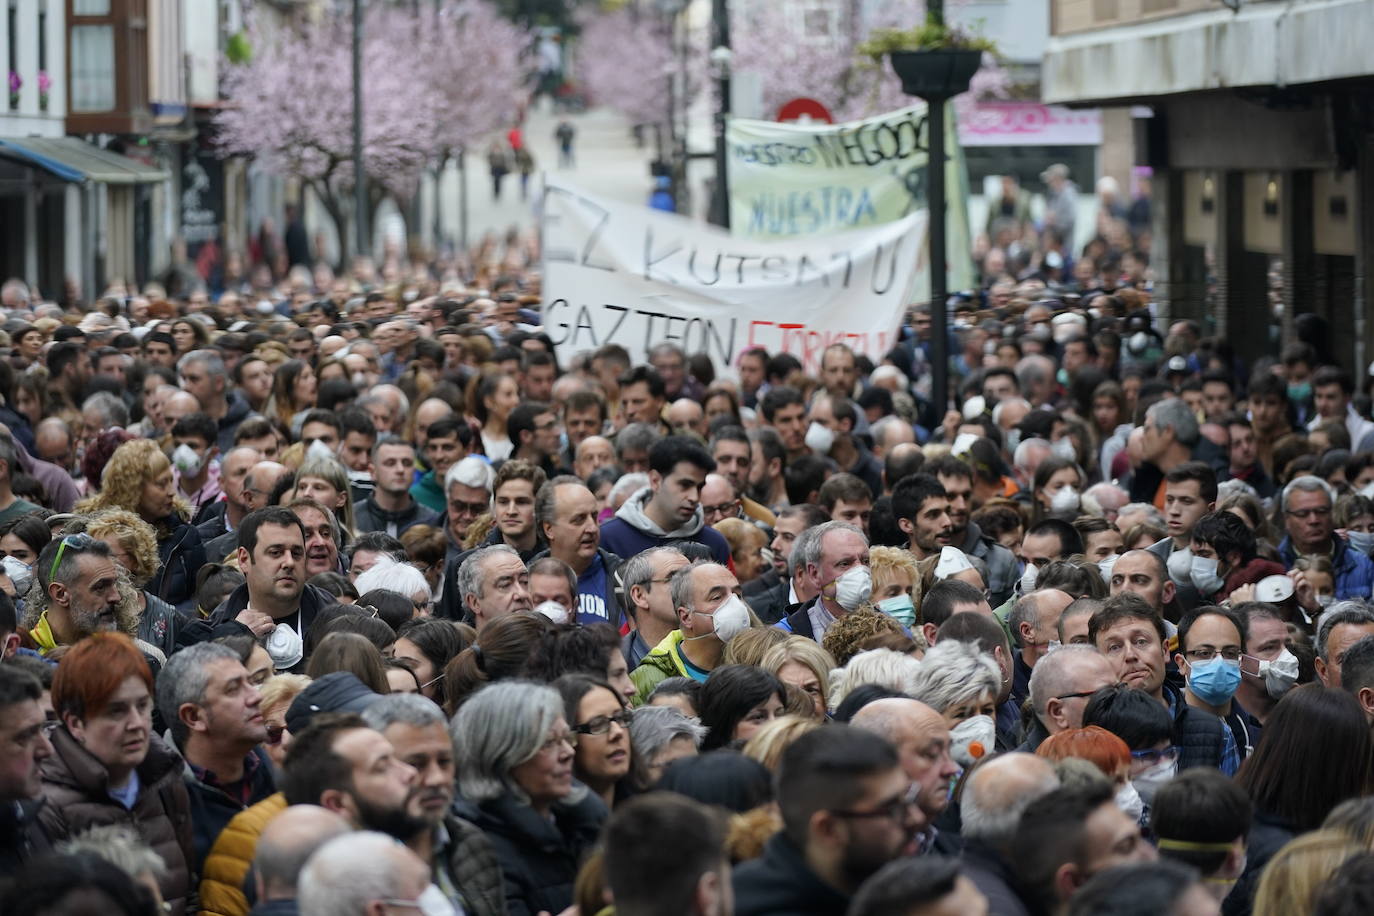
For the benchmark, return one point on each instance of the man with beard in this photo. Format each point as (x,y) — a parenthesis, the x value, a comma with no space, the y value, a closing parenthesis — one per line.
(922,510)
(80,594)
(847,810)
(463,862)
(215,715)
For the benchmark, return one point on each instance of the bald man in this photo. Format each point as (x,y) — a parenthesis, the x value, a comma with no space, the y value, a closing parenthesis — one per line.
(1059,689)
(592,453)
(685,416)
(177,405)
(921,738)
(284,846)
(255,492)
(995,796)
(53,442)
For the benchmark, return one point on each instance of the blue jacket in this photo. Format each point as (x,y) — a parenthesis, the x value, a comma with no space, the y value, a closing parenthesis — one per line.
(1353,571)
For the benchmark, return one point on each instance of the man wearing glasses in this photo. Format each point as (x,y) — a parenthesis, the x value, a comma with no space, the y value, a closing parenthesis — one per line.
(24,746)
(1059,690)
(1210,644)
(848,809)
(1131,635)
(1306,504)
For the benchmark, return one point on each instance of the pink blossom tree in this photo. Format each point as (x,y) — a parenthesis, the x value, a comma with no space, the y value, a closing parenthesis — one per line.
(626,61)
(290,106)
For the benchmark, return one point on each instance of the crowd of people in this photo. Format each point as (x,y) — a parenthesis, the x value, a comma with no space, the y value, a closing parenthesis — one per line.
(357,595)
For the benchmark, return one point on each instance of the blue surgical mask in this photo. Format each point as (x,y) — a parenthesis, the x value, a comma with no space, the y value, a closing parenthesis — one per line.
(900,608)
(1361,541)
(1214,682)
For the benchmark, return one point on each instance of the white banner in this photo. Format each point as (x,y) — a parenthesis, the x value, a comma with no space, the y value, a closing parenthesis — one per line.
(790,180)
(633,276)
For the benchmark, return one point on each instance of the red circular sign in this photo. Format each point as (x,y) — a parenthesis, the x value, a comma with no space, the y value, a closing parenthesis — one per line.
(796,109)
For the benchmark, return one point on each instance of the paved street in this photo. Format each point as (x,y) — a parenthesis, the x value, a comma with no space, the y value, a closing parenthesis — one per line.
(607,163)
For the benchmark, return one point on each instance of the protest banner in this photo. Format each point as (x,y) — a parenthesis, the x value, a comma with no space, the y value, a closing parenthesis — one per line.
(795,180)
(633,276)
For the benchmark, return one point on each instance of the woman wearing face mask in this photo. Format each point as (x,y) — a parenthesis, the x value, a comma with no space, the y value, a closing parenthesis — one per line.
(1145,725)
(961,683)
(1057,489)
(138,478)
(1225,557)
(22,539)
(107,765)
(896,583)
(1353,517)
(1105,751)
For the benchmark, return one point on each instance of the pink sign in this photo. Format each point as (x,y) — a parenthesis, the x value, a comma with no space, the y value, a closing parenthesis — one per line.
(1029,124)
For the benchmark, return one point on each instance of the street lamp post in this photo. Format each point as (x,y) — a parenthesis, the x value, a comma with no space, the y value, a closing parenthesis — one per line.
(720,58)
(937,75)
(360,244)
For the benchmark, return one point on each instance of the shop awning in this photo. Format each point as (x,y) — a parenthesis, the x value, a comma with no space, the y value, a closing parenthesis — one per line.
(73,159)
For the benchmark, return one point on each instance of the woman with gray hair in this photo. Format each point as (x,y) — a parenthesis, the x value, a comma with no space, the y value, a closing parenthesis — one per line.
(961,683)
(515,759)
(659,735)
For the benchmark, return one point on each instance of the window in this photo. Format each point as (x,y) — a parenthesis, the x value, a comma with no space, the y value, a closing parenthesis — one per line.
(93,68)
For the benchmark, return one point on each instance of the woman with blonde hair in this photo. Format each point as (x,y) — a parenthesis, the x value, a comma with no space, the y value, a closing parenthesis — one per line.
(1291,880)
(896,583)
(138,479)
(769,742)
(804,665)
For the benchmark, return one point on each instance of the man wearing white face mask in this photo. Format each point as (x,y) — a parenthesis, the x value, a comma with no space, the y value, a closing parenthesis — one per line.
(363,873)
(831,435)
(1225,557)
(838,570)
(1190,492)
(709,612)
(194,460)
(1268,670)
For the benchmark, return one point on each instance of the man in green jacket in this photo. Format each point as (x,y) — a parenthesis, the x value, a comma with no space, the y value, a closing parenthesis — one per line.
(694,649)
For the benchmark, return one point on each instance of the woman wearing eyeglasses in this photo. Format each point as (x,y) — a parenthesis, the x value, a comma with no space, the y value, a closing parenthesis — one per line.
(515,781)
(138,478)
(601,720)
(108,767)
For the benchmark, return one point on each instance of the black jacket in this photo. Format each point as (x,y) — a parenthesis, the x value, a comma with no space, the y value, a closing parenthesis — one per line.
(992,875)
(770,603)
(1268,834)
(312,600)
(22,837)
(209,521)
(780,883)
(539,859)
(368,516)
(180,556)
(212,809)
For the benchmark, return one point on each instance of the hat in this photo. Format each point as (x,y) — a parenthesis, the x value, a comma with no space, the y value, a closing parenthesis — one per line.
(338,691)
(1058,170)
(952,560)
(1273,589)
